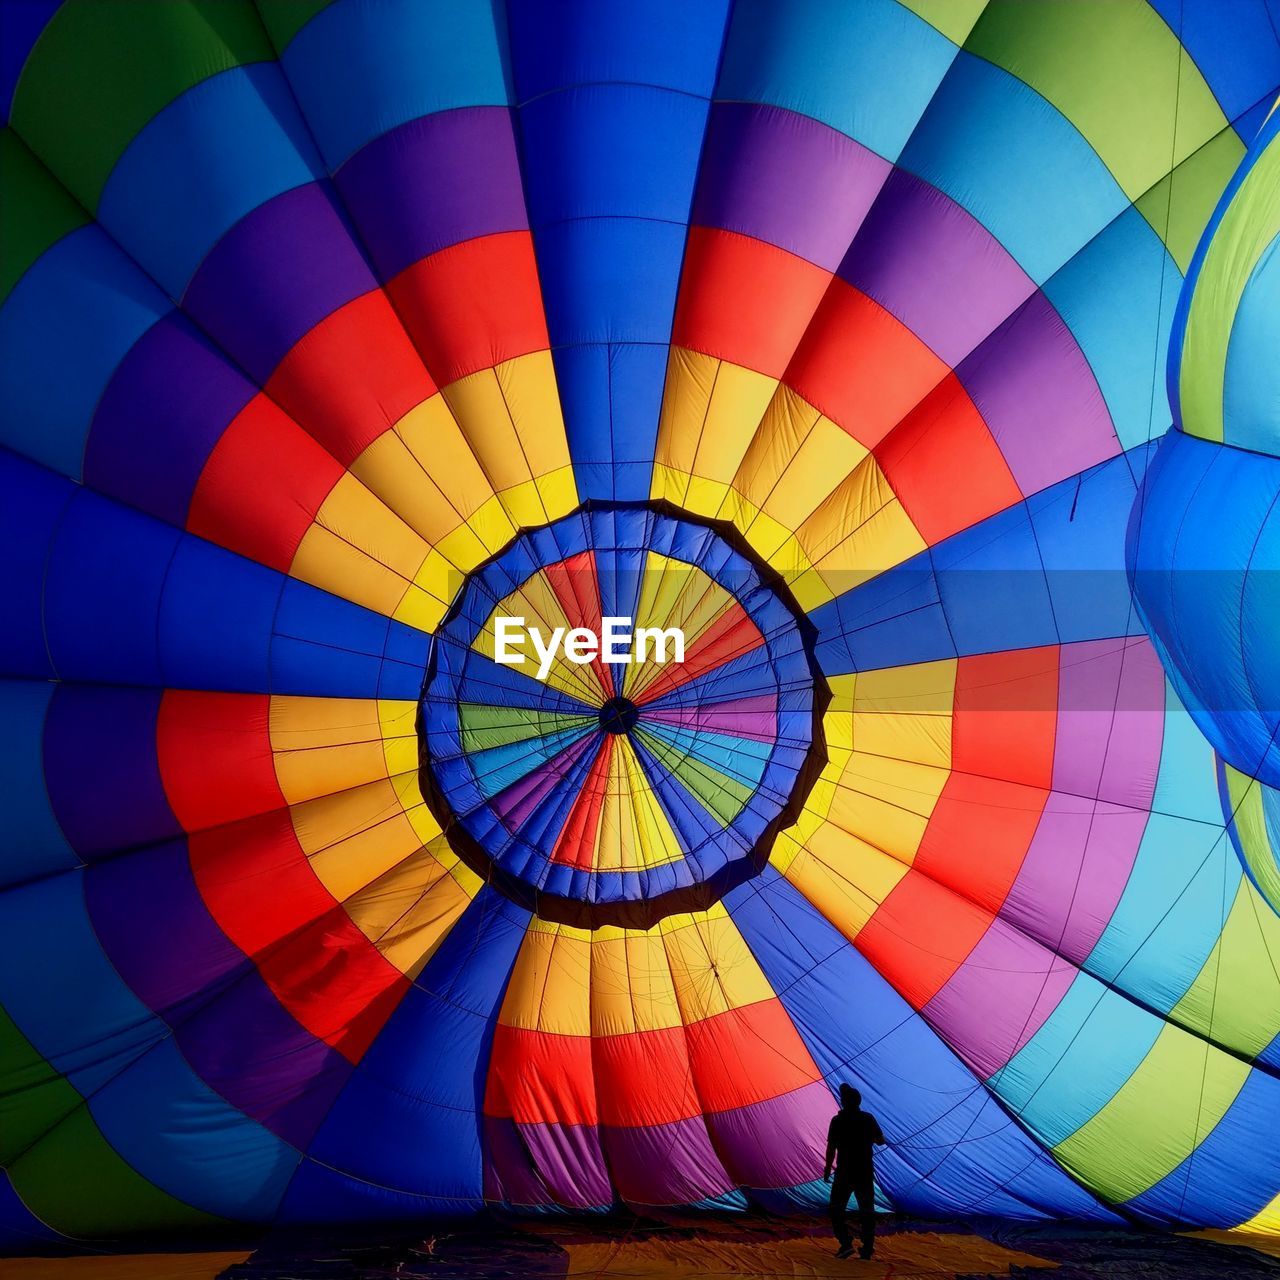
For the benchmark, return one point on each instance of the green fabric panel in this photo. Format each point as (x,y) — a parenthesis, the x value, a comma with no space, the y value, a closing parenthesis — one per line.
(954,18)
(34,1097)
(1236,997)
(35,213)
(99,72)
(1179,206)
(74,1181)
(488,726)
(1170,1104)
(721,795)
(283,19)
(1116,71)
(1250,224)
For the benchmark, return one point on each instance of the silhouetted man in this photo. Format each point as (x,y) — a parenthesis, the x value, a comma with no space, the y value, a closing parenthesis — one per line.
(849,1142)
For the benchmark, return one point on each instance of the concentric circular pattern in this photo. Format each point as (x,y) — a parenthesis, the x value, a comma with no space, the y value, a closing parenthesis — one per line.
(620,792)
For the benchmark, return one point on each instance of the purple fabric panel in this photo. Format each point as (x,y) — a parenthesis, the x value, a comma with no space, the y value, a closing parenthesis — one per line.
(101,770)
(520,799)
(275,275)
(744,717)
(935,267)
(227,1023)
(160,417)
(671,1163)
(1039,398)
(434,182)
(509,1173)
(1074,872)
(1110,721)
(570,1161)
(999,997)
(778,1142)
(786,179)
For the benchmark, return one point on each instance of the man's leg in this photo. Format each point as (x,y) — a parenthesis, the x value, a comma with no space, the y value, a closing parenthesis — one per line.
(864,1188)
(840,1189)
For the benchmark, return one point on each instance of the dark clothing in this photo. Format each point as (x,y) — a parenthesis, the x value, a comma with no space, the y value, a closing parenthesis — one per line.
(850,1136)
(849,1140)
(861,1185)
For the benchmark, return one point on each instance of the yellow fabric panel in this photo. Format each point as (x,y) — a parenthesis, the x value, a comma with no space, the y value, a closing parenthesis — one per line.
(356,515)
(674,594)
(1179,1092)
(887,802)
(631,984)
(323,745)
(537,603)
(920,739)
(408,911)
(326,561)
(844,877)
(796,460)
(885,539)
(550,985)
(532,400)
(710,412)
(657,842)
(397,722)
(1266,1221)
(616,837)
(712,967)
(442,452)
(510,416)
(924,689)
(354,837)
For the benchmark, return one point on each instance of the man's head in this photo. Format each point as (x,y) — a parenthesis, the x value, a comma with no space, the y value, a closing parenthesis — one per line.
(850,1098)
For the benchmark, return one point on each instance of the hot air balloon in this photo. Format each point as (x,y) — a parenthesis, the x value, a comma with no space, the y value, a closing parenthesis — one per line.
(827,335)
(1206,529)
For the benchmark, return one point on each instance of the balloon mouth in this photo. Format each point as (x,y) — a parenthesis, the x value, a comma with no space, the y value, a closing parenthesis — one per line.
(599,794)
(619,715)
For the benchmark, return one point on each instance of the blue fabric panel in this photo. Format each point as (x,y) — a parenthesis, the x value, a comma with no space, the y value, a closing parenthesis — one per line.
(64,330)
(361,69)
(216,153)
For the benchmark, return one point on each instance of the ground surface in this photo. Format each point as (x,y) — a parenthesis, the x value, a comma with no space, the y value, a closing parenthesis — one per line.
(745,1249)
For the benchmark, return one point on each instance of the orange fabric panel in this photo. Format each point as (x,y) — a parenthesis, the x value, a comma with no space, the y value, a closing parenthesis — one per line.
(978,835)
(920,935)
(861,366)
(577,844)
(539,1077)
(354,376)
(942,438)
(747,1055)
(473,305)
(1005,715)
(214,751)
(719,311)
(731,635)
(644,1078)
(262,485)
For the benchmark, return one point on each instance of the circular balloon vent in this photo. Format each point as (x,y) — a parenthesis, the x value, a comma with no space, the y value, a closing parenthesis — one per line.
(621,711)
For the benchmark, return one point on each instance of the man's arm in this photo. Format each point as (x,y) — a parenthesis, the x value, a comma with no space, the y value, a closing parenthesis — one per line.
(831,1151)
(876,1136)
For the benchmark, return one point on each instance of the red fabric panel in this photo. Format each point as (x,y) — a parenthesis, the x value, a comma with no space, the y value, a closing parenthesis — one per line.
(920,935)
(862,366)
(322,969)
(473,305)
(730,636)
(262,486)
(354,376)
(719,311)
(576,846)
(577,587)
(748,1055)
(942,438)
(214,751)
(539,1077)
(644,1078)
